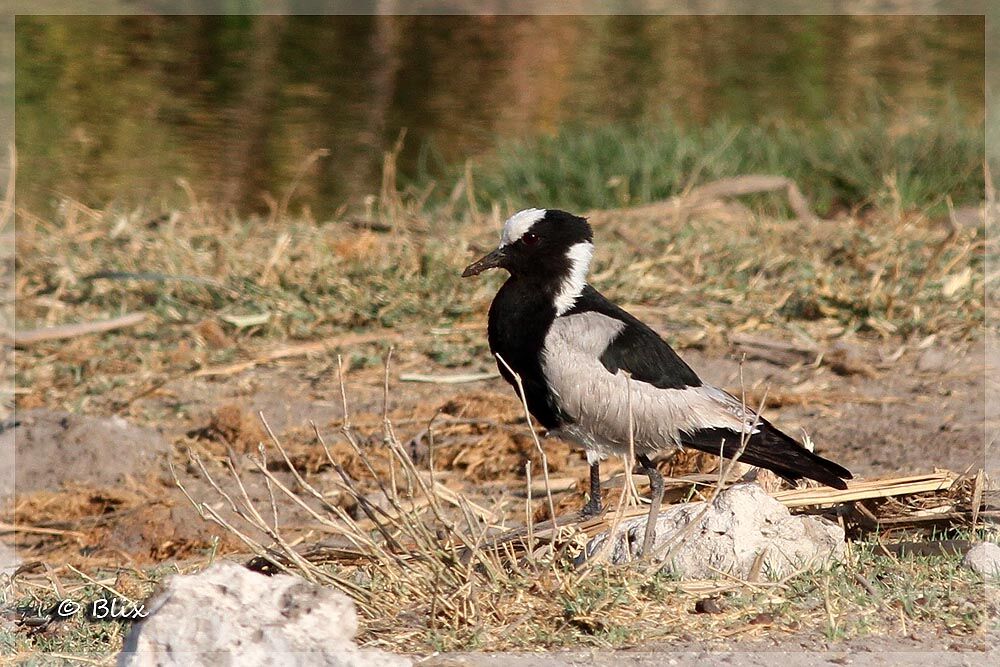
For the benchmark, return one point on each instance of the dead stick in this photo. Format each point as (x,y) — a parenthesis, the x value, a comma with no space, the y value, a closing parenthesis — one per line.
(295,351)
(447,379)
(33,336)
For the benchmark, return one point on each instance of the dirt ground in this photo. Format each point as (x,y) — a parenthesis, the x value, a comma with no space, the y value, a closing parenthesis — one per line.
(791,651)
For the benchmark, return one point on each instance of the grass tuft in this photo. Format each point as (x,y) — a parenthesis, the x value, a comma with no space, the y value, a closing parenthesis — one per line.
(873,162)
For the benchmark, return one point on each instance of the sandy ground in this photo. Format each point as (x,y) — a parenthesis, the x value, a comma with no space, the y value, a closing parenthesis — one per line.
(867,653)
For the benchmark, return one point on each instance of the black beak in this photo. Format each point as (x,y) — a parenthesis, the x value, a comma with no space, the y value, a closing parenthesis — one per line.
(490,261)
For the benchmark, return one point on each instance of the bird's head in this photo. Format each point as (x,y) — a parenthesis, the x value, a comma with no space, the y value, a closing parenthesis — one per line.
(551,248)
(540,242)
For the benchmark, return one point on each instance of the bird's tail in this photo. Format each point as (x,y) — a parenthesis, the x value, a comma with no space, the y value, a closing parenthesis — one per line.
(770,448)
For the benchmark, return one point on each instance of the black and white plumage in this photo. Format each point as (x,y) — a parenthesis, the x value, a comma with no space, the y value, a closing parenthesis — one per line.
(583,361)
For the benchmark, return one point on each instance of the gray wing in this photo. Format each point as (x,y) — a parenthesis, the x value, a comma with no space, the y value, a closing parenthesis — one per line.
(599,401)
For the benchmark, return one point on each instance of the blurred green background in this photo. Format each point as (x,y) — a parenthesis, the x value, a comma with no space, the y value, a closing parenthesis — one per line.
(575,111)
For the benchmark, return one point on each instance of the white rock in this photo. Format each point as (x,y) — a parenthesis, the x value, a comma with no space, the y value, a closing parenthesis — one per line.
(729,536)
(983,558)
(228,615)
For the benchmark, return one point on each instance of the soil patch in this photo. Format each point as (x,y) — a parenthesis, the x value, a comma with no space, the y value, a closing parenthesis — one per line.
(53,447)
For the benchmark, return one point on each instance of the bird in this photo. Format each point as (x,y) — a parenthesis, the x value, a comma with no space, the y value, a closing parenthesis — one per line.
(596,376)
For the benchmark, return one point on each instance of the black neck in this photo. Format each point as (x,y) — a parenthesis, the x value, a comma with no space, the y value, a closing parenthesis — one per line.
(520,317)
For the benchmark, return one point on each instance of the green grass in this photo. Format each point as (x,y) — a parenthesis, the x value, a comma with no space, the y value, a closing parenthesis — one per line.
(75,636)
(870,161)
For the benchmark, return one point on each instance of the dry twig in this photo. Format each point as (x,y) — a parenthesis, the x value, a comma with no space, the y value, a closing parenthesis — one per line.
(32,336)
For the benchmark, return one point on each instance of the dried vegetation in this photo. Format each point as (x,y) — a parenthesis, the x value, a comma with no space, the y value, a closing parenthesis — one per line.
(391,524)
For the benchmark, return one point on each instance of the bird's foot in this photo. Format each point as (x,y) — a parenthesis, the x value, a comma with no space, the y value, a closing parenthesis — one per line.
(648,538)
(591,509)
(593,506)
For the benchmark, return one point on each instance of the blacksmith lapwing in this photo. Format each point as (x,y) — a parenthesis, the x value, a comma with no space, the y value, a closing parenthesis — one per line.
(584,362)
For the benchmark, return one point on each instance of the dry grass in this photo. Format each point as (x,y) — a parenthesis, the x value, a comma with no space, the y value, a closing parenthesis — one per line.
(418,555)
(223,289)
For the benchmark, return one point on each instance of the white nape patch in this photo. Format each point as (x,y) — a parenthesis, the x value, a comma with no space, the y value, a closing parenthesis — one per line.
(519,223)
(579,257)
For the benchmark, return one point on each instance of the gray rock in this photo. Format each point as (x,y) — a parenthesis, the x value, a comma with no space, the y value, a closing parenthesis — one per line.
(231,616)
(729,536)
(983,558)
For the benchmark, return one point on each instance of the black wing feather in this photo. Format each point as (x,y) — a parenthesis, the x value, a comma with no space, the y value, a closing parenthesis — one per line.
(770,448)
(637,349)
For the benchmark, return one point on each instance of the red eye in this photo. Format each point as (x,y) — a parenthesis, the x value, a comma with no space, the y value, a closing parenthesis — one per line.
(530,239)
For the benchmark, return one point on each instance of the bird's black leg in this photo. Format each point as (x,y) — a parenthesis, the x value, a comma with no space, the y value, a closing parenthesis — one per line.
(656,497)
(593,506)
